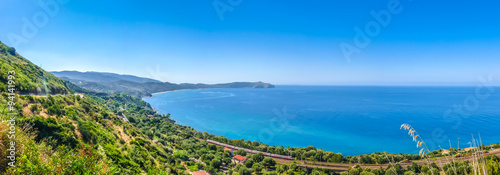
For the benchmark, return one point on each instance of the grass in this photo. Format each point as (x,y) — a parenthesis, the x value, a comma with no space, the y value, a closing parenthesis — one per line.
(478,161)
(40,157)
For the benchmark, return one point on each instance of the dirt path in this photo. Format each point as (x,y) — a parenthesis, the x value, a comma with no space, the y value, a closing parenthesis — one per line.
(122,134)
(185,166)
(77,132)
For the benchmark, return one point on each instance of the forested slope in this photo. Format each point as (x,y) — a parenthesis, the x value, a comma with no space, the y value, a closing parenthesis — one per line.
(29,77)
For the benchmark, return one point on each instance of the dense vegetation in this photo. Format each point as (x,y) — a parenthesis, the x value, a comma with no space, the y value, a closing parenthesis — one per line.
(69,123)
(66,133)
(310,153)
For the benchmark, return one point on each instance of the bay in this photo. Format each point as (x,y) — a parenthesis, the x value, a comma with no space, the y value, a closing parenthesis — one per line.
(352,120)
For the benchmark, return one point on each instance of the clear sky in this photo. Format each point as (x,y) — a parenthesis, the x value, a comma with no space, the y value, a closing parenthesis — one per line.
(282,42)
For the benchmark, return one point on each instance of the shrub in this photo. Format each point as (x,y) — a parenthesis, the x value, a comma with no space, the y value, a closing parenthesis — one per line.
(244,171)
(181,154)
(38,159)
(193,168)
(257,167)
(12,50)
(34,108)
(241,152)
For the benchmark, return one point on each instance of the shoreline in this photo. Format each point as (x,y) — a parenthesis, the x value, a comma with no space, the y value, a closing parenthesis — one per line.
(164,92)
(169,91)
(189,89)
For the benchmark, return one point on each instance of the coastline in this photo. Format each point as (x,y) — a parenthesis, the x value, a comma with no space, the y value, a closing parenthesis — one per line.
(164,92)
(202,88)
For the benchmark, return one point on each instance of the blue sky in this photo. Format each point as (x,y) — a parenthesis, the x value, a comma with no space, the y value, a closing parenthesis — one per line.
(281,42)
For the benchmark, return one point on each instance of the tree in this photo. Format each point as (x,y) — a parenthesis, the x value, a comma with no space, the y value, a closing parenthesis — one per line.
(337,158)
(227,160)
(211,169)
(272,173)
(414,167)
(268,162)
(211,147)
(316,172)
(244,171)
(354,171)
(365,172)
(258,157)
(54,110)
(237,167)
(280,170)
(241,152)
(293,166)
(12,51)
(181,154)
(132,119)
(285,167)
(319,155)
(34,108)
(216,163)
(257,167)
(249,163)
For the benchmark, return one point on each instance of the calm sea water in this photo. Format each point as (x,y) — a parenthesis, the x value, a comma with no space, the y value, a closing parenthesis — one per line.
(349,120)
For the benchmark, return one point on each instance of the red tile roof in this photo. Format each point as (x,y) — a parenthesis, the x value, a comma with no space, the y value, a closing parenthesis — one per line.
(240,158)
(227,149)
(201,172)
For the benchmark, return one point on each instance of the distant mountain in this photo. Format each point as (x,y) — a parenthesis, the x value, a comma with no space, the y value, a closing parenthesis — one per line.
(102,77)
(141,87)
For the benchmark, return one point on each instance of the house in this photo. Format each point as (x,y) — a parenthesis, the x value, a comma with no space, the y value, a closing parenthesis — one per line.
(201,172)
(239,159)
(150,116)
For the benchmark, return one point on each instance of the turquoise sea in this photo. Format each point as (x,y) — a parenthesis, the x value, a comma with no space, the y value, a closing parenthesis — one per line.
(351,120)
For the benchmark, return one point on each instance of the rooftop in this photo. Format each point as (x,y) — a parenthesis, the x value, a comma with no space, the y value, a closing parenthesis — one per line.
(201,172)
(240,158)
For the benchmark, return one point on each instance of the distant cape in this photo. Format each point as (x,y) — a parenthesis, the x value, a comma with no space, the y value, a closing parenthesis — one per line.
(106,82)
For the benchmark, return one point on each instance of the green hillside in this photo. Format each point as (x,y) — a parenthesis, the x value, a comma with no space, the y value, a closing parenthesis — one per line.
(30,78)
